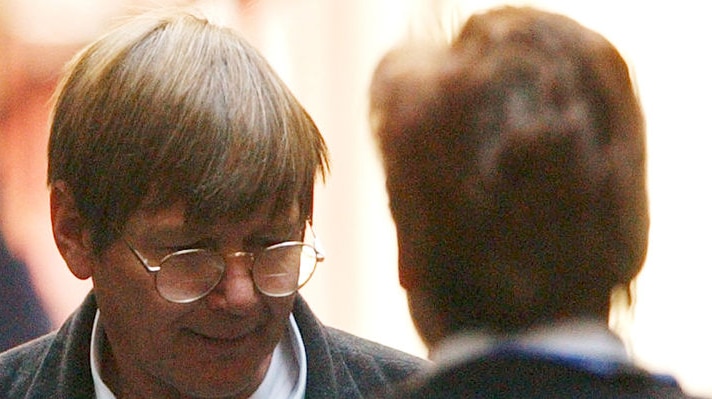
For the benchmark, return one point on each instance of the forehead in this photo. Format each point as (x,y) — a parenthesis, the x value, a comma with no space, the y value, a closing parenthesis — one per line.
(173,219)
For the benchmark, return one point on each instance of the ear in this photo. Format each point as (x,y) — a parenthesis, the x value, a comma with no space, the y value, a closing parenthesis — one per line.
(70,233)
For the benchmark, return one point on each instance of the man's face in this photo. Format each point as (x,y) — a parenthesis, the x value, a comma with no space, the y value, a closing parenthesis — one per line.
(219,345)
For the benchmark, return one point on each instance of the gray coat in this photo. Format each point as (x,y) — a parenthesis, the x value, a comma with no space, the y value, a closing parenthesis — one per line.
(339,364)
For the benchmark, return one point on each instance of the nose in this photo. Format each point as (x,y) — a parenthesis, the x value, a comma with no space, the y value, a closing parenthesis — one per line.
(236,291)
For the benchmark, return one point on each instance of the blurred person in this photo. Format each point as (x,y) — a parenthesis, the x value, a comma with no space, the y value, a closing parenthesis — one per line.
(181,171)
(35,44)
(515,166)
(22,316)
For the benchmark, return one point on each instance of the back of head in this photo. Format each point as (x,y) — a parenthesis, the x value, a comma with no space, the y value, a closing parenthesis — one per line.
(515,164)
(168,108)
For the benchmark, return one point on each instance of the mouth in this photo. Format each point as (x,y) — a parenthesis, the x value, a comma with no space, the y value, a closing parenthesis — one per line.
(225,335)
(223,346)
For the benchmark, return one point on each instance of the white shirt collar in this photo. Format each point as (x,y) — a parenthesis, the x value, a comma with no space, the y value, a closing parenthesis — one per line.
(580,338)
(286,377)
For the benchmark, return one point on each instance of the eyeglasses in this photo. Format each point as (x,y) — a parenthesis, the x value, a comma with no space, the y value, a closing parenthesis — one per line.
(278,270)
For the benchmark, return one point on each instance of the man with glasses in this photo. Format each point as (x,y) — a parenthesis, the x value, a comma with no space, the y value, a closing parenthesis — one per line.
(181,172)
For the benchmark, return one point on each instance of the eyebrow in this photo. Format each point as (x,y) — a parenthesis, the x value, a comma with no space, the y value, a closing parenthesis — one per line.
(158,234)
(273,228)
(278,229)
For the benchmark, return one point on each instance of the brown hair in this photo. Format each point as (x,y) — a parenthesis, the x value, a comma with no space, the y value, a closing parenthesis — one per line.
(170,107)
(515,164)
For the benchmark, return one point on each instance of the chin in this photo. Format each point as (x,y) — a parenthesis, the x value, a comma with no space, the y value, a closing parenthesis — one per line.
(236,377)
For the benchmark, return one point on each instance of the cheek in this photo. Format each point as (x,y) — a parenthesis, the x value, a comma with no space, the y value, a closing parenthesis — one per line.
(280,307)
(120,282)
(132,312)
(426,318)
(414,249)
(279,310)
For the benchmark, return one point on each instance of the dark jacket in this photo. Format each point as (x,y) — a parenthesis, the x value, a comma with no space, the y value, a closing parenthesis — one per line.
(339,365)
(518,376)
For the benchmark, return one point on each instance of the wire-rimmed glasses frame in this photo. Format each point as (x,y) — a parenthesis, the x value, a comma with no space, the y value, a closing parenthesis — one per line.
(277,270)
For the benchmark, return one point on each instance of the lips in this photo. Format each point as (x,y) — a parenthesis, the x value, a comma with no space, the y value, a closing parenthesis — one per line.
(222,346)
(226,335)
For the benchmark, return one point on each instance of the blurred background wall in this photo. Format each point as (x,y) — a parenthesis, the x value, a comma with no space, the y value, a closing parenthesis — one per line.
(326,50)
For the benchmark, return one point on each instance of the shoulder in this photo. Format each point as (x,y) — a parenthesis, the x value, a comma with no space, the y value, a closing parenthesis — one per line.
(373,369)
(356,350)
(513,377)
(343,365)
(324,343)
(54,365)
(19,365)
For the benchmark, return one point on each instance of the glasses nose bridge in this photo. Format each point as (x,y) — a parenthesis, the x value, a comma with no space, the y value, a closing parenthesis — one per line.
(242,257)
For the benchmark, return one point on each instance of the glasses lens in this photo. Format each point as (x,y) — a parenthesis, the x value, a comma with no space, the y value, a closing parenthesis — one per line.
(188,275)
(282,269)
